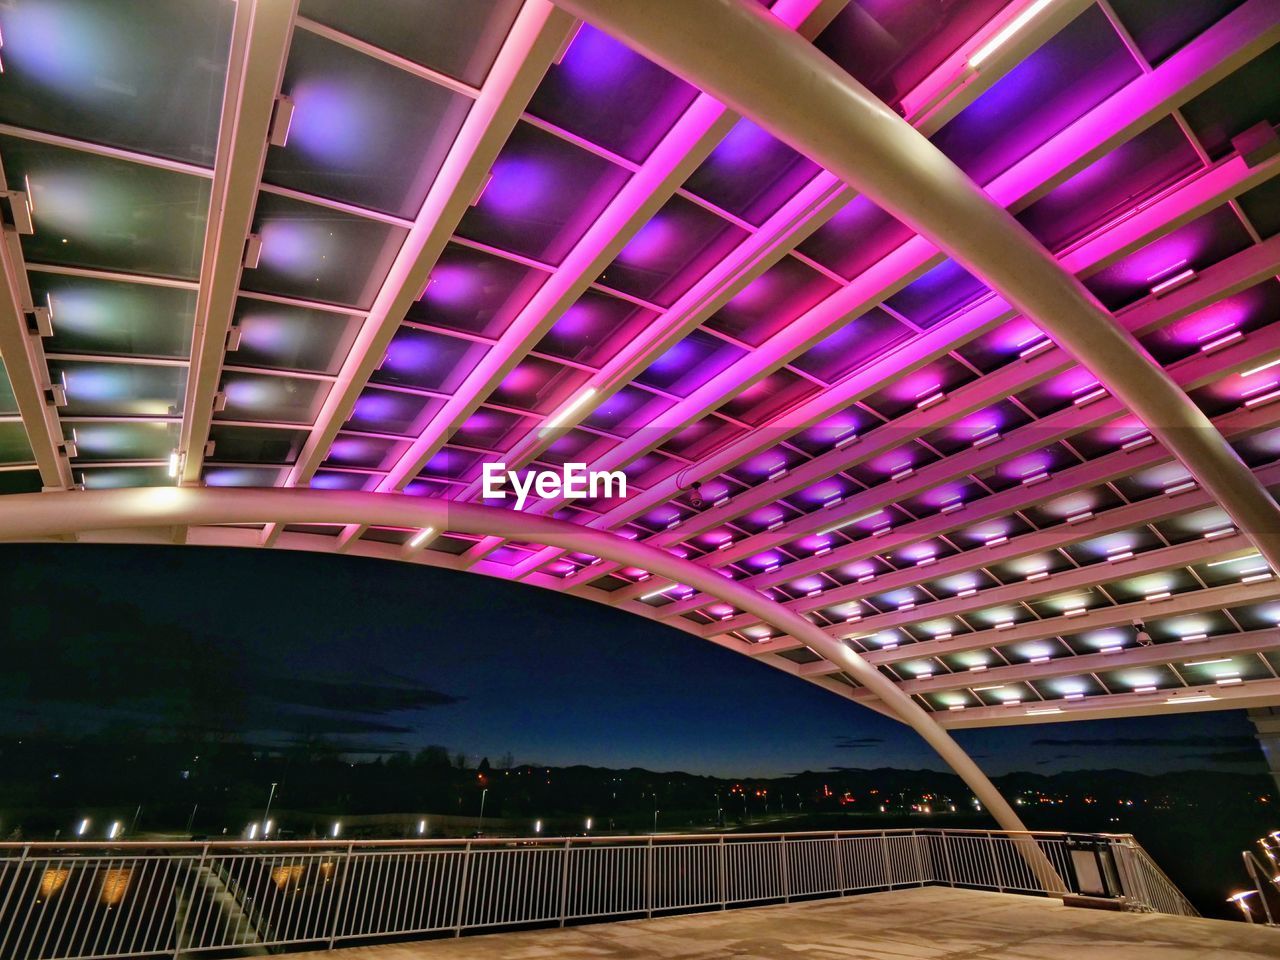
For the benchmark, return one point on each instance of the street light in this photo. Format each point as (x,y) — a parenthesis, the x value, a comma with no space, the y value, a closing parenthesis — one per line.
(82,827)
(336,830)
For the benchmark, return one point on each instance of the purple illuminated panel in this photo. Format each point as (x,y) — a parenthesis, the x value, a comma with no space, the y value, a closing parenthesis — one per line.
(630,409)
(766,398)
(605,92)
(291,338)
(315,253)
(1112,185)
(858,236)
(840,428)
(856,343)
(671,252)
(962,434)
(489,429)
(918,387)
(538,386)
(1076,70)
(1006,343)
(690,363)
(1199,244)
(541,196)
(428,361)
(371,453)
(475,292)
(751,174)
(938,294)
(772,301)
(391,411)
(342,480)
(698,439)
(593,329)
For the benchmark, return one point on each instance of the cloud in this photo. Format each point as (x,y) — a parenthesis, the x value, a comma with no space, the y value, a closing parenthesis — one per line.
(856,743)
(1250,756)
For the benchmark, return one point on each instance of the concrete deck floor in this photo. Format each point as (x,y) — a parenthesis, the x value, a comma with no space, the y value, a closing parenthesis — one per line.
(937,923)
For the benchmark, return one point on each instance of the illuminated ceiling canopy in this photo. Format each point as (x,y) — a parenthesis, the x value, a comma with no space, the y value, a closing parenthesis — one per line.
(480,232)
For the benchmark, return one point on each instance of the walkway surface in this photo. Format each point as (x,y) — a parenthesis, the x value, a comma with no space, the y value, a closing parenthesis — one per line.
(936,923)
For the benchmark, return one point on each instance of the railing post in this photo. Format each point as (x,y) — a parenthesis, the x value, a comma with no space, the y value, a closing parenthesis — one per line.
(564,879)
(721,857)
(4,907)
(840,867)
(888,867)
(342,895)
(946,856)
(995,861)
(648,879)
(462,890)
(180,920)
(786,874)
(915,847)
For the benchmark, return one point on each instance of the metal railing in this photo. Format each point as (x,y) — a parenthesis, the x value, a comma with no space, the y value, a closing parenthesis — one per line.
(86,901)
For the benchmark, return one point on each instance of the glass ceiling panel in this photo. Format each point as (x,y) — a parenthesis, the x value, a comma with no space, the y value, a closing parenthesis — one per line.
(428,361)
(92,211)
(281,336)
(8,402)
(146,75)
(14,447)
(314,253)
(541,196)
(604,91)
(475,292)
(751,174)
(120,389)
(1235,103)
(392,411)
(891,45)
(362,131)
(594,328)
(272,399)
(1077,69)
(107,317)
(112,478)
(123,441)
(460,38)
(255,444)
(1159,29)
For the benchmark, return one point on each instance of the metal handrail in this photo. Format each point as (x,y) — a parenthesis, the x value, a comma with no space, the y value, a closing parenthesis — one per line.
(94,901)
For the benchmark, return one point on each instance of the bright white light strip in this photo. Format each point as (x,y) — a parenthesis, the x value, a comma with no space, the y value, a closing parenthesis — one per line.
(1204,699)
(1013,26)
(848,523)
(421,536)
(1219,533)
(1266,366)
(1256,577)
(1206,663)
(1080,517)
(1038,713)
(174,463)
(1218,344)
(1146,689)
(1177,280)
(1229,681)
(1037,348)
(1223,563)
(1153,597)
(658,593)
(568,411)
(1178,488)
(1089,397)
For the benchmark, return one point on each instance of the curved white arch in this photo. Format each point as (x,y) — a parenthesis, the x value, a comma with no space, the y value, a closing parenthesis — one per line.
(739,53)
(29,516)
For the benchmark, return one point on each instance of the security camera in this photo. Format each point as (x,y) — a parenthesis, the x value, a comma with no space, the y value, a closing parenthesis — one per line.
(695,495)
(1143,638)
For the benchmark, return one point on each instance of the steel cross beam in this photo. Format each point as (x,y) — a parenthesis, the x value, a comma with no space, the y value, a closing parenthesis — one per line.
(538,34)
(1095,618)
(1119,518)
(1257,693)
(1227,645)
(24,361)
(260,37)
(928,107)
(1236,39)
(1192,373)
(740,55)
(26,516)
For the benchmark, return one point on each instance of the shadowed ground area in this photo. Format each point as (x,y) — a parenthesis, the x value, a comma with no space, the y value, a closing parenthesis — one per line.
(937,923)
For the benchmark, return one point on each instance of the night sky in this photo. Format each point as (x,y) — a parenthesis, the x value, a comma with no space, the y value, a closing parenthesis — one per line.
(380,656)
